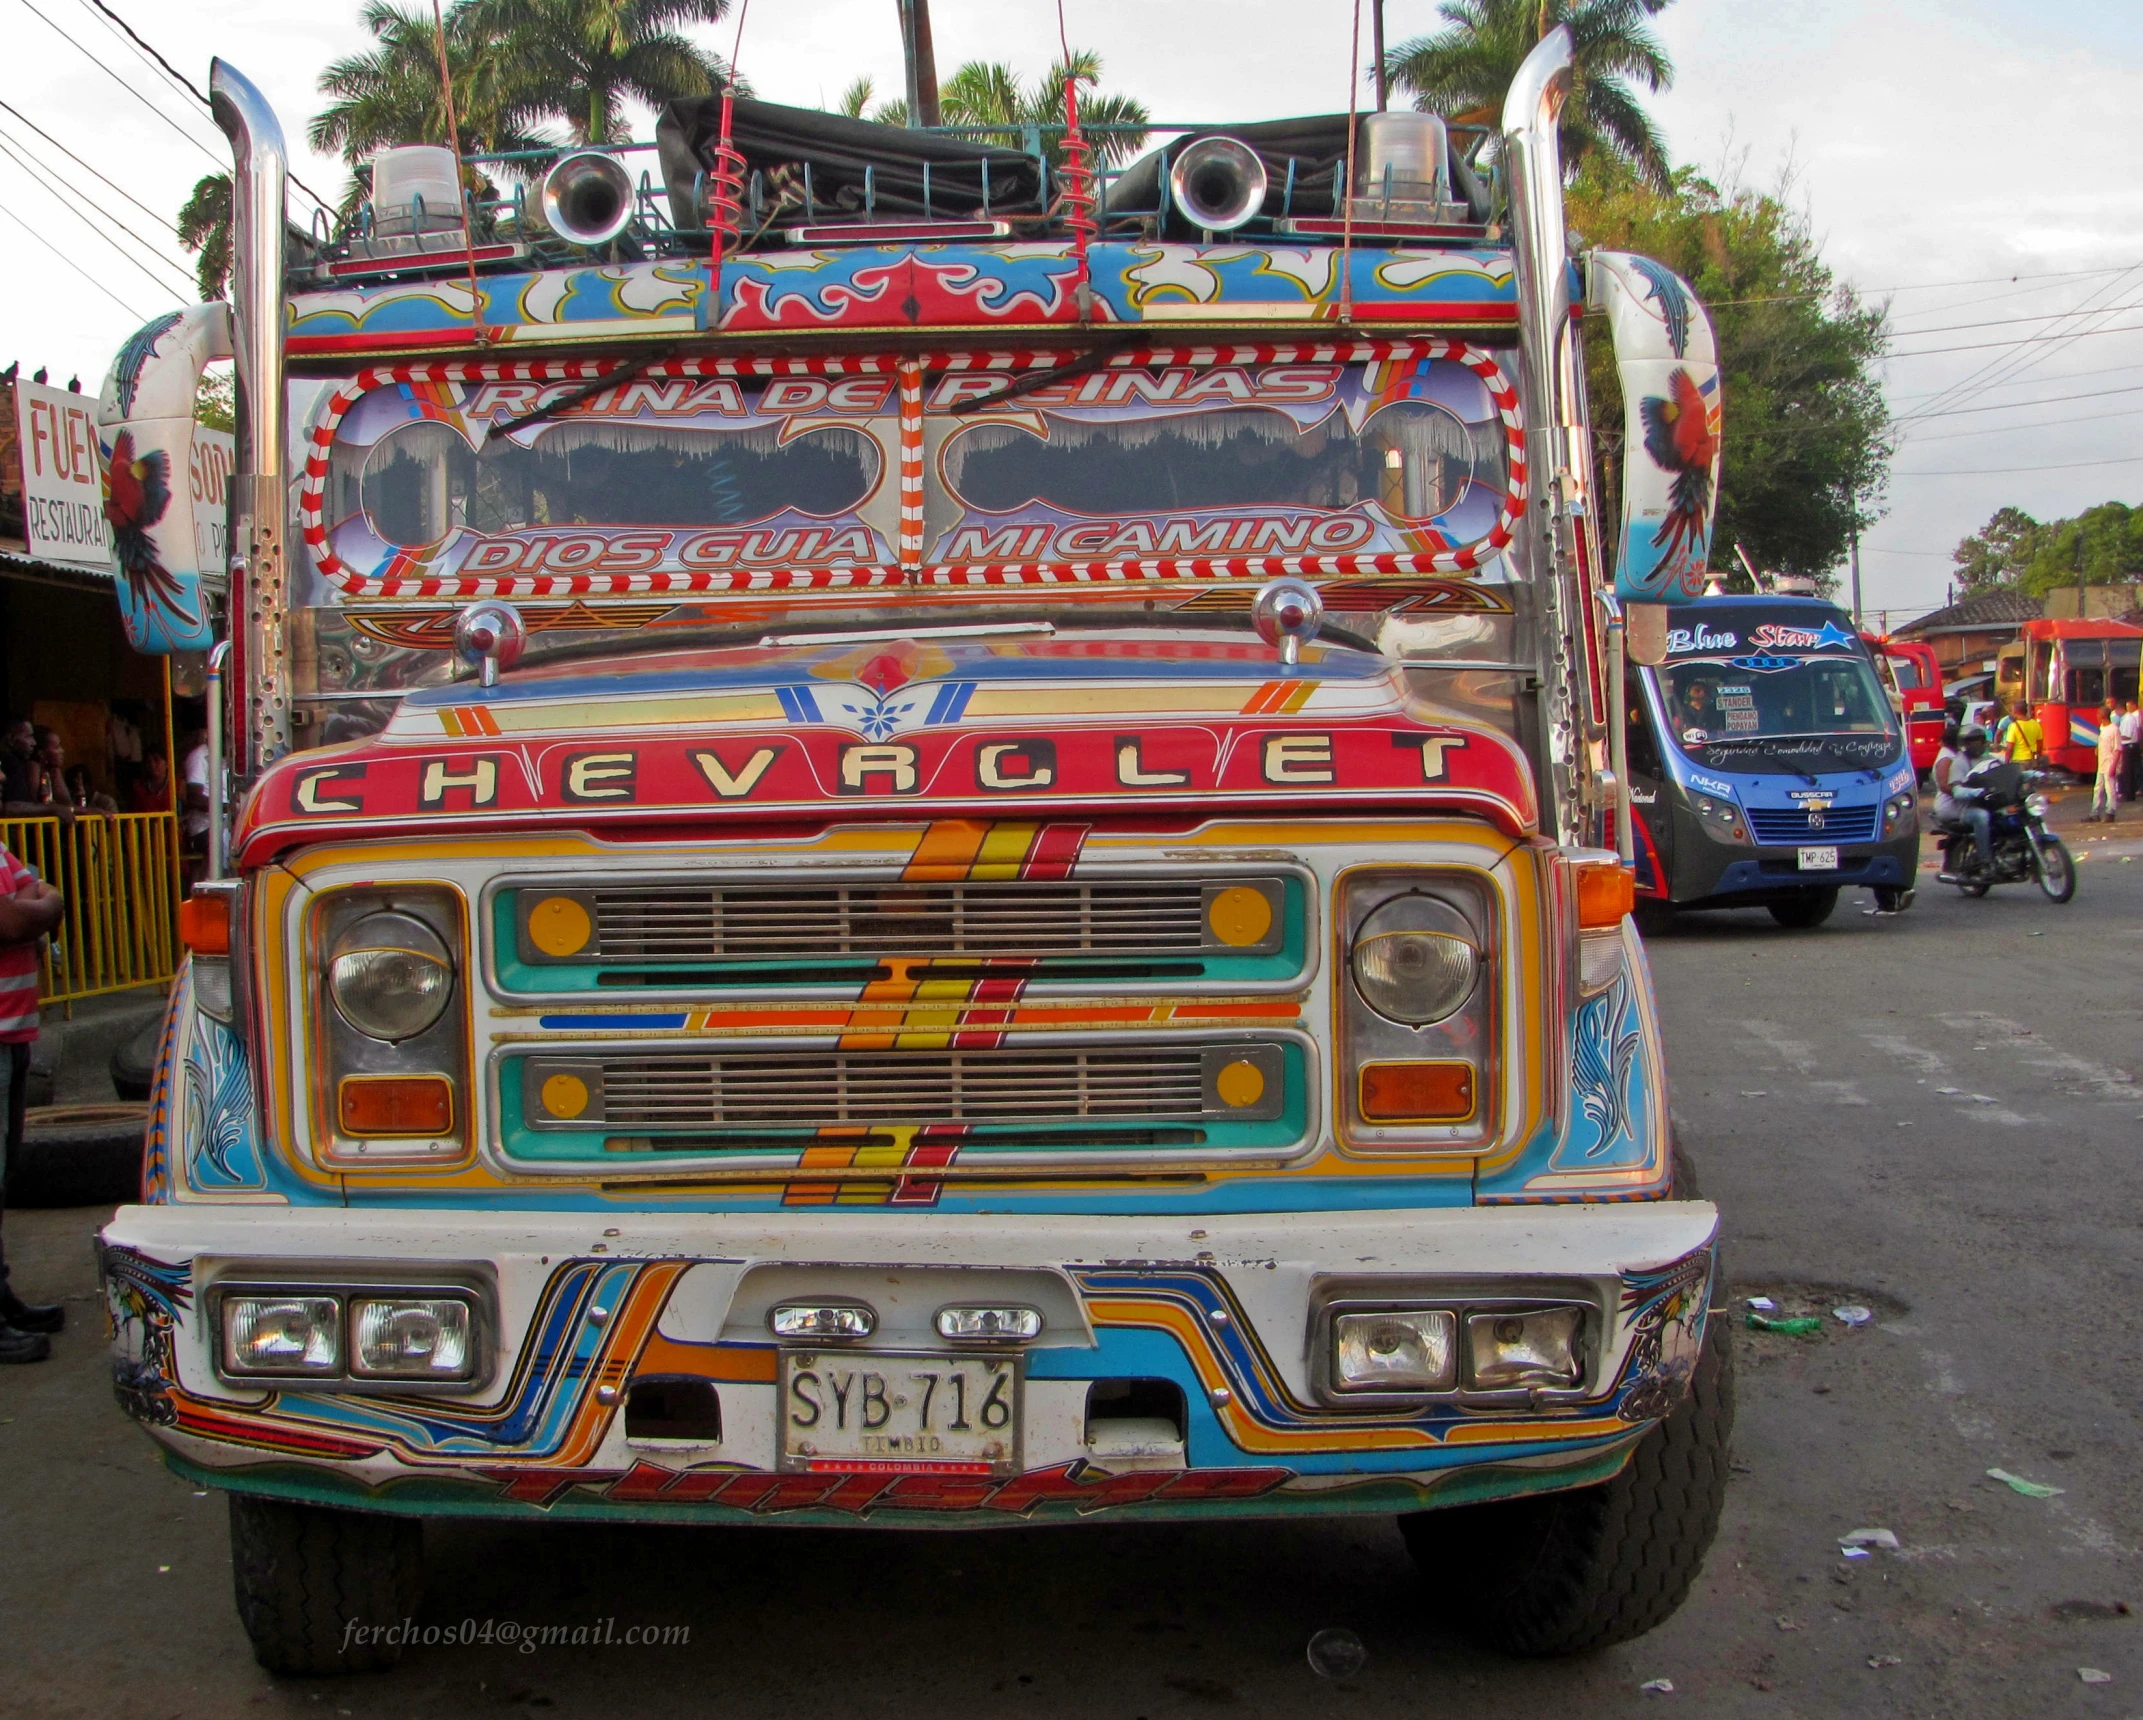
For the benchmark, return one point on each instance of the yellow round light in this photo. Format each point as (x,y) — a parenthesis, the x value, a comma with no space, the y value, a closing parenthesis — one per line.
(1241,1083)
(559,926)
(565,1095)
(1240,916)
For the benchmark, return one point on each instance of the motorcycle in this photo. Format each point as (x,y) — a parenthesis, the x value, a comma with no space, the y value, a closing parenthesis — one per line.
(2025,851)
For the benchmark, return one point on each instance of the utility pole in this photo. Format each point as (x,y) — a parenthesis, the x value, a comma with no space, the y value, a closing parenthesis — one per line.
(1376,9)
(922,63)
(1856,575)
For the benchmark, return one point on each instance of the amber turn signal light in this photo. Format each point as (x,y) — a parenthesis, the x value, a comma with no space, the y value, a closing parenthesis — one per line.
(1414,1092)
(1606,895)
(205,925)
(374,1105)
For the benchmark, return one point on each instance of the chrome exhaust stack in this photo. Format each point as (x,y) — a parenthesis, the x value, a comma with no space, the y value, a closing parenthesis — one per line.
(1533,162)
(260,570)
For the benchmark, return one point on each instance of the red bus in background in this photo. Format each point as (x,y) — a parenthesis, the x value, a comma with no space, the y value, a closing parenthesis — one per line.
(2066,670)
(1914,681)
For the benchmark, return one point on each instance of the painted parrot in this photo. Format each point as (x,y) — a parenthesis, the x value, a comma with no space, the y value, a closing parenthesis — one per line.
(137,494)
(1682,437)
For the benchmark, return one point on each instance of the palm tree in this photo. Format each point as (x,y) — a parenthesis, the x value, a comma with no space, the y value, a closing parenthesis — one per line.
(1469,65)
(391,94)
(205,229)
(856,101)
(581,60)
(990,93)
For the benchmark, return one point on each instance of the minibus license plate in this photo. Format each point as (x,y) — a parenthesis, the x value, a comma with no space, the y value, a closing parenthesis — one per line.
(867,1412)
(1819,859)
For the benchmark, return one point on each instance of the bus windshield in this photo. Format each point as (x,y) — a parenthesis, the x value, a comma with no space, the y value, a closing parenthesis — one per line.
(1778,713)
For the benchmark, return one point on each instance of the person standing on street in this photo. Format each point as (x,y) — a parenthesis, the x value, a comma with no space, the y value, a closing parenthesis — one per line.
(29,908)
(2106,790)
(2131,750)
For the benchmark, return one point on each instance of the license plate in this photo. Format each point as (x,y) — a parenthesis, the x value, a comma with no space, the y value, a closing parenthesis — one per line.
(1819,859)
(868,1412)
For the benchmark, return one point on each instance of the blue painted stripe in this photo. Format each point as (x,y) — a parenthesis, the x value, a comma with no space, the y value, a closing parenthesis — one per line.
(950,703)
(797,703)
(602,1023)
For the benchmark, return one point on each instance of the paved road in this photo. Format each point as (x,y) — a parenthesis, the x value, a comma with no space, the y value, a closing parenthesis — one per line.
(1932,1116)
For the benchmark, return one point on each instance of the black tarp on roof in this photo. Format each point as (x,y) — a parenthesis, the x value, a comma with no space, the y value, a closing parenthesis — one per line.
(1315,145)
(777,141)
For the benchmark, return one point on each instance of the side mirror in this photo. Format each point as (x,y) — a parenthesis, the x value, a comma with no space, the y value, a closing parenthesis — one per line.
(1644,628)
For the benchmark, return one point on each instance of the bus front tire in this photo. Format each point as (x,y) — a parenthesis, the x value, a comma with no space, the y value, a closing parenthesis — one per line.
(1569,1573)
(318,1588)
(1810,908)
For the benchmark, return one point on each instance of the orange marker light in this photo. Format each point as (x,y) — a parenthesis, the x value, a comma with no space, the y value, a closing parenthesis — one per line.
(1605,895)
(205,925)
(1417,1092)
(372,1105)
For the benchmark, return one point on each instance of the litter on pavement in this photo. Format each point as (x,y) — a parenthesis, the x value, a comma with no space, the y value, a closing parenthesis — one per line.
(1657,1686)
(1762,1304)
(1883,1538)
(2092,1675)
(1799,1326)
(2030,1489)
(1853,1314)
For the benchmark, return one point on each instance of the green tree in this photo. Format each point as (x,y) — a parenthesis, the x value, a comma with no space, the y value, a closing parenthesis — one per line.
(1998,553)
(2100,546)
(215,402)
(204,227)
(1807,435)
(390,94)
(990,93)
(1467,67)
(582,60)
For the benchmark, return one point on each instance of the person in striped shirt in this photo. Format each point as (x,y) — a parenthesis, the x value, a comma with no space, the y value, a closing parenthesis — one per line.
(29,908)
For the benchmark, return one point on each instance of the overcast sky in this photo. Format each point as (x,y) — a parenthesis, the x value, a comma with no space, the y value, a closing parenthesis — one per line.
(1972,162)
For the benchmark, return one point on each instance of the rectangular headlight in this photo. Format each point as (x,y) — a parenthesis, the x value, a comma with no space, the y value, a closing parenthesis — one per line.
(282,1335)
(1532,1347)
(411,1338)
(1396,1351)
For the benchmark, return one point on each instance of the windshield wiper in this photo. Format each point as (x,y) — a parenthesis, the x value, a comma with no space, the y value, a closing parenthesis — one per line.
(586,391)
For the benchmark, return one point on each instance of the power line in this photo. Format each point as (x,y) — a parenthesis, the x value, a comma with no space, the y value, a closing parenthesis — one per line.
(2018,429)
(2035,381)
(178,77)
(2028,316)
(2062,335)
(2004,471)
(72,264)
(121,82)
(185,82)
(60,191)
(2014,364)
(79,162)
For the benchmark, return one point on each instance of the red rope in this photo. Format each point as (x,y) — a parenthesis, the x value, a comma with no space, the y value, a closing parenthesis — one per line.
(1077,173)
(725,192)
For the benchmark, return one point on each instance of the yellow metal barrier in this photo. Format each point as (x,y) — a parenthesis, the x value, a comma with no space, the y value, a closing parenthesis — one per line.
(120,877)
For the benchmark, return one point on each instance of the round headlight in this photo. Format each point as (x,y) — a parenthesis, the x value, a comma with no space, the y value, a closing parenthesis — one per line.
(390,975)
(1415,960)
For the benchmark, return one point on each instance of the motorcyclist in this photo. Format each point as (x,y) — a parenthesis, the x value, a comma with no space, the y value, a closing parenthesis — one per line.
(1957,799)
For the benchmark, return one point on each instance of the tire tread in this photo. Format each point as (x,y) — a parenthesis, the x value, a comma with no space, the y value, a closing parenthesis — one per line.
(303,1573)
(1570,1573)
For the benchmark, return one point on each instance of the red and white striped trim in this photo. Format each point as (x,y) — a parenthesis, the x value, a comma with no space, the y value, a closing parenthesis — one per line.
(329,411)
(911,465)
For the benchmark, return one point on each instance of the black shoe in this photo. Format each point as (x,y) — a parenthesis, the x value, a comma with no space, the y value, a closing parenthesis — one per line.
(23,1346)
(30,1316)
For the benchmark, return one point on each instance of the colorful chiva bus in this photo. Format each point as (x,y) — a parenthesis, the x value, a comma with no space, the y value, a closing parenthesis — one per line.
(916,846)
(1767,764)
(2066,671)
